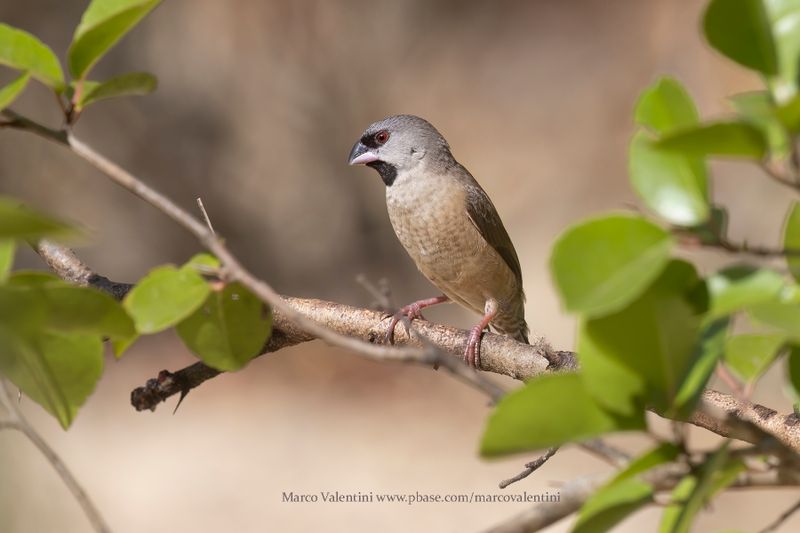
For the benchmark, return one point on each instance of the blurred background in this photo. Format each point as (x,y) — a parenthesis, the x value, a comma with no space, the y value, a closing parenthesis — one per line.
(257,108)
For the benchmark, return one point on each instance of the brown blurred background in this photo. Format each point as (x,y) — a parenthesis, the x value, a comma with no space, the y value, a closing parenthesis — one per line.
(258,106)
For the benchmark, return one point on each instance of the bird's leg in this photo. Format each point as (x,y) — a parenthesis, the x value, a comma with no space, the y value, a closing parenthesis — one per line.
(472,355)
(412,311)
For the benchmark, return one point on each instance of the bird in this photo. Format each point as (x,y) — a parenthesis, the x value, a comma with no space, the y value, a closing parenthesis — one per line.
(448,225)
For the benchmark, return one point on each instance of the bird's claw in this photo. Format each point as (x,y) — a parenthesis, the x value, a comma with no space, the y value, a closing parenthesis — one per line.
(410,311)
(472,355)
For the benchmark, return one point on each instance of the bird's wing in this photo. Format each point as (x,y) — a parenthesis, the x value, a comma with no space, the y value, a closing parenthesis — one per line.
(484,217)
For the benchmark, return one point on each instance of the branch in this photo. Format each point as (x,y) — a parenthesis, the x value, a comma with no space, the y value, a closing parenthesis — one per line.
(500,355)
(20,423)
(575,492)
(781,175)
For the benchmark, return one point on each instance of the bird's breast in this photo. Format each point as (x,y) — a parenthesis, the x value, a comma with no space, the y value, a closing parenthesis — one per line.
(430,218)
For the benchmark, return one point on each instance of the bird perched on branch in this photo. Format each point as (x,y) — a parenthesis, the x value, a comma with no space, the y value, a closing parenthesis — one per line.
(448,225)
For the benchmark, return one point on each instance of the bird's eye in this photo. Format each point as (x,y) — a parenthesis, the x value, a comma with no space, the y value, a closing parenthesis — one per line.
(381,137)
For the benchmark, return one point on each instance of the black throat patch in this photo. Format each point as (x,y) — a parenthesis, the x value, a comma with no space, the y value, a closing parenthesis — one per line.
(388,172)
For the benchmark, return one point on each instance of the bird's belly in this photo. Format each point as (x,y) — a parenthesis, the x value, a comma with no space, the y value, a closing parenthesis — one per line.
(449,251)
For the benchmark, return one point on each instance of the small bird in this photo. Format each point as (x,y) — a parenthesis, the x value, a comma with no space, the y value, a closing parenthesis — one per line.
(448,225)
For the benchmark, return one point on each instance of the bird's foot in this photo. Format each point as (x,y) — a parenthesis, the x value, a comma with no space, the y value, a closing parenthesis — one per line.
(472,355)
(411,311)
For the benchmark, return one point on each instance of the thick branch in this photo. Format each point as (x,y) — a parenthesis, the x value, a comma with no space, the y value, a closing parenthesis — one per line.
(500,355)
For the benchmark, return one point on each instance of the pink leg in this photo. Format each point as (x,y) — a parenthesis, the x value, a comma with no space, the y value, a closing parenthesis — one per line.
(412,311)
(472,355)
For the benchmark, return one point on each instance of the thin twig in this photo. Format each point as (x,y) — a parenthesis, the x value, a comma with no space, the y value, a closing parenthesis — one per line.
(530,468)
(205,215)
(780,175)
(20,423)
(782,518)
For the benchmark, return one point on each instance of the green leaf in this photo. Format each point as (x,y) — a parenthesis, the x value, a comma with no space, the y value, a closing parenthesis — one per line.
(611,504)
(10,92)
(665,106)
(519,423)
(789,113)
(709,349)
(18,221)
(204,262)
(164,297)
(750,355)
(56,371)
(785,18)
(666,452)
(734,139)
(7,248)
(22,51)
(672,184)
(134,83)
(624,494)
(695,491)
(602,264)
(34,278)
(758,109)
(86,310)
(742,286)
(782,315)
(103,24)
(740,30)
(229,329)
(654,338)
(791,239)
(793,370)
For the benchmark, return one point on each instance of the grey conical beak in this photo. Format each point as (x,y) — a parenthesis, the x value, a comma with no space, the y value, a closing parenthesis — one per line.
(361,155)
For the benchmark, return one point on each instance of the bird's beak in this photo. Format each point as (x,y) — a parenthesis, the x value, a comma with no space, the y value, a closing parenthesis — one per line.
(361,155)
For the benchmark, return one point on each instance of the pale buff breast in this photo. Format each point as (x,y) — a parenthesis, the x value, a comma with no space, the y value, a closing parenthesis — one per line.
(430,218)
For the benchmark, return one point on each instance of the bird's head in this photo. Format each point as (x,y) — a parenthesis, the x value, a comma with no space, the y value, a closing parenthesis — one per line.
(399,144)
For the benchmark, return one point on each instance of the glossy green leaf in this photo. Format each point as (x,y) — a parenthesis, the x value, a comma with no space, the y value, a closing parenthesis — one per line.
(229,329)
(10,92)
(21,50)
(742,286)
(784,16)
(18,221)
(740,30)
(611,504)
(696,490)
(732,139)
(793,370)
(164,297)
(56,371)
(7,249)
(132,84)
(665,106)
(654,337)
(103,24)
(519,423)
(791,239)
(750,355)
(758,109)
(602,264)
(672,184)
(708,350)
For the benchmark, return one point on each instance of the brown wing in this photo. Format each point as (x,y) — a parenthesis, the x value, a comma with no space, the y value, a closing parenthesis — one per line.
(484,217)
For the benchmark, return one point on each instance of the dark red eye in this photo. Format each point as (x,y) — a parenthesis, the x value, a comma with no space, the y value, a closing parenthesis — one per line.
(381,137)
